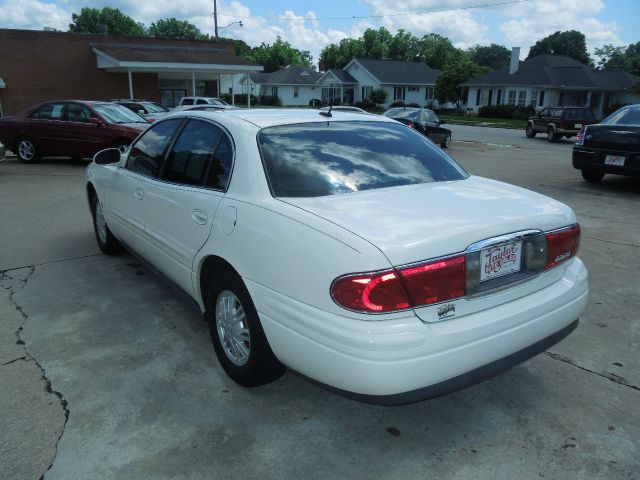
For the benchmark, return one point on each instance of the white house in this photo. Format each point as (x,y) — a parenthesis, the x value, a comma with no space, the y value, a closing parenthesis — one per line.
(551,80)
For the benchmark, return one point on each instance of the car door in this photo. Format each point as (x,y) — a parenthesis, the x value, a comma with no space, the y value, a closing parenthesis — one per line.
(181,206)
(539,122)
(84,136)
(125,200)
(47,128)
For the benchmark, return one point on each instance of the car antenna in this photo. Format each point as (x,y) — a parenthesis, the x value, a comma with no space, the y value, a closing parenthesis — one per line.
(327,114)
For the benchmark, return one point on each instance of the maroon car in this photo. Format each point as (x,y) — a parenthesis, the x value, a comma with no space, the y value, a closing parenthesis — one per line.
(69,128)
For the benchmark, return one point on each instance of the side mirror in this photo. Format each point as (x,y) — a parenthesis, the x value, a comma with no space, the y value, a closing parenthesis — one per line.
(107,156)
(95,120)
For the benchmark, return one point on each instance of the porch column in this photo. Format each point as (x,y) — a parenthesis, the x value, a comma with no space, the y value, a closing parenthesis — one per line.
(249,96)
(233,93)
(130,84)
(193,84)
(588,98)
(341,93)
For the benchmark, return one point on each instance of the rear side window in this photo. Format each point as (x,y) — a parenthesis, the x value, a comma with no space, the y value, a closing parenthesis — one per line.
(50,111)
(578,114)
(147,153)
(187,101)
(330,158)
(201,152)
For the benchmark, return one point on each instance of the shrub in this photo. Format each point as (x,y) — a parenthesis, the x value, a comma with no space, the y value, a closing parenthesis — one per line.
(315,102)
(226,97)
(271,100)
(241,99)
(366,104)
(378,96)
(397,103)
(413,105)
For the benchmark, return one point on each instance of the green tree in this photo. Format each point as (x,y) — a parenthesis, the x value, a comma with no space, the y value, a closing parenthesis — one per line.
(174,28)
(437,51)
(107,20)
(378,96)
(278,55)
(338,56)
(493,56)
(242,48)
(375,43)
(454,73)
(620,58)
(571,43)
(403,46)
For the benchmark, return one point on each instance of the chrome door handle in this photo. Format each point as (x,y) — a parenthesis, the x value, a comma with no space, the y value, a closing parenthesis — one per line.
(138,193)
(199,217)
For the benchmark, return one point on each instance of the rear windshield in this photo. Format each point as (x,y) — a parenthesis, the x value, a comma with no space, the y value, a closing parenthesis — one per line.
(330,158)
(624,116)
(578,114)
(402,113)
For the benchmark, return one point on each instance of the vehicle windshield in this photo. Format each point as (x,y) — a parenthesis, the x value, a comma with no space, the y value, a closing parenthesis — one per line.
(331,158)
(402,113)
(113,113)
(154,107)
(579,114)
(624,116)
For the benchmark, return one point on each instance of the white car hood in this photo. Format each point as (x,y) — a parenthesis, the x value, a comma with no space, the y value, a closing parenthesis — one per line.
(418,222)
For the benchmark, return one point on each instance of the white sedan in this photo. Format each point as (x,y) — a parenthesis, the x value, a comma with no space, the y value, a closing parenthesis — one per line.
(349,249)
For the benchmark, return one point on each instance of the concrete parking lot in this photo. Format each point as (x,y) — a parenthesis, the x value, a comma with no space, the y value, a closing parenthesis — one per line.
(104,373)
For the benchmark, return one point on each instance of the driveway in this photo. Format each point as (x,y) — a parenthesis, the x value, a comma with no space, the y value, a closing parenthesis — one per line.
(106,374)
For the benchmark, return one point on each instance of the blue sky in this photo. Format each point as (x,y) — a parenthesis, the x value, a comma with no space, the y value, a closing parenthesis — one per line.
(518,23)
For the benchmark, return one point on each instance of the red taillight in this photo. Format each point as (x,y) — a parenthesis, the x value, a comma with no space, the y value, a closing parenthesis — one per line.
(436,281)
(410,124)
(580,136)
(562,245)
(371,292)
(392,290)
(151,120)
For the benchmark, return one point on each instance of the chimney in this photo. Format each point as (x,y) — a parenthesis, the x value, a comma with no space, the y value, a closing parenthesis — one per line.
(515,60)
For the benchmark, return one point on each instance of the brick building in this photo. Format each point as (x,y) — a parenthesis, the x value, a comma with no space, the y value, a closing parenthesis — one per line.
(37,66)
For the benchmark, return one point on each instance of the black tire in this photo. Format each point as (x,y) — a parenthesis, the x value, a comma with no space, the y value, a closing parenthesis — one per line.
(552,136)
(529,131)
(250,362)
(26,150)
(592,176)
(106,241)
(447,140)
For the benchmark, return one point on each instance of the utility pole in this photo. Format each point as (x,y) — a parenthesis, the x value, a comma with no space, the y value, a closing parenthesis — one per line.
(215,17)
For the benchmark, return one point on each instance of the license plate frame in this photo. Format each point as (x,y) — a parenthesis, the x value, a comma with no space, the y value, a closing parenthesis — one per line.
(615,160)
(500,260)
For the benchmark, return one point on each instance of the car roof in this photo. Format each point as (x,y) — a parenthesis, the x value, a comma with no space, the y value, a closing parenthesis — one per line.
(269,117)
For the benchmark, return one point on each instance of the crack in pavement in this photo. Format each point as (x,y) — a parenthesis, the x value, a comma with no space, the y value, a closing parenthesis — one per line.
(613,243)
(608,375)
(2,272)
(14,285)
(15,360)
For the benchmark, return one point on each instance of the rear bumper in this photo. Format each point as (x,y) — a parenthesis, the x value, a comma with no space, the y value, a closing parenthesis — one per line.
(593,160)
(405,360)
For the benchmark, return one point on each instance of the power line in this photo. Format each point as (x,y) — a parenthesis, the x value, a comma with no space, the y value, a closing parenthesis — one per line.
(364,17)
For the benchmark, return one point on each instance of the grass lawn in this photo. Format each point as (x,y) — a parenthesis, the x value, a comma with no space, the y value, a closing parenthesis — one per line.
(457,119)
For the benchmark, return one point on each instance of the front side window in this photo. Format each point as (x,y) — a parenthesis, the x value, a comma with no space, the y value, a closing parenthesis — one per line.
(50,111)
(202,155)
(113,113)
(187,101)
(331,158)
(78,113)
(148,152)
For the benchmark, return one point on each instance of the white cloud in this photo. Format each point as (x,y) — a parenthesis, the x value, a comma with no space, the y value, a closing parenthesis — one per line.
(33,14)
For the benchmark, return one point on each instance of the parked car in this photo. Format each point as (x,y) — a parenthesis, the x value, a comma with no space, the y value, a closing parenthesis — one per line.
(69,128)
(202,101)
(558,122)
(424,121)
(350,249)
(343,108)
(612,146)
(150,111)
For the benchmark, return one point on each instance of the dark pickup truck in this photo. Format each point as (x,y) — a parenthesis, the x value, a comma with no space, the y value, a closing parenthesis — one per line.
(612,146)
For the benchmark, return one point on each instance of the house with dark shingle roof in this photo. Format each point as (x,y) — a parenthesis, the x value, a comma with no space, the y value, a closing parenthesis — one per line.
(551,80)
(293,85)
(411,82)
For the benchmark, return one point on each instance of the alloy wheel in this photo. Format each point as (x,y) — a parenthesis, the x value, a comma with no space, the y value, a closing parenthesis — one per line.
(233,329)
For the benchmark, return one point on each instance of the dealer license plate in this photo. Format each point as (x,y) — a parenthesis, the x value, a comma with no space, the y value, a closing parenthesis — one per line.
(500,260)
(577,125)
(617,160)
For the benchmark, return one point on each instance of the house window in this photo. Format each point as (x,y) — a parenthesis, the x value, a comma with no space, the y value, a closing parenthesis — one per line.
(512,97)
(499,97)
(428,94)
(522,98)
(399,93)
(366,91)
(414,89)
(478,96)
(561,99)
(534,98)
(295,92)
(541,101)
(274,91)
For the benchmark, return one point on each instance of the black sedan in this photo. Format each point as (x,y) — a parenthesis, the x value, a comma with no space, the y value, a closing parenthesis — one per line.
(424,121)
(611,146)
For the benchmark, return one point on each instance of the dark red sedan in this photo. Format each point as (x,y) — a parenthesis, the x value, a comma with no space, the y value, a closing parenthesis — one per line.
(69,128)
